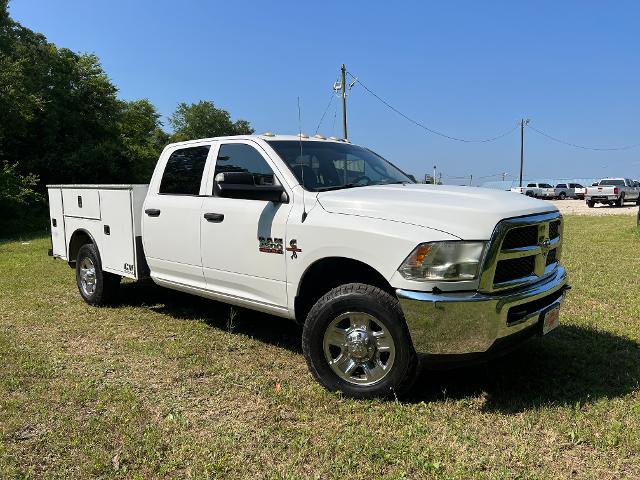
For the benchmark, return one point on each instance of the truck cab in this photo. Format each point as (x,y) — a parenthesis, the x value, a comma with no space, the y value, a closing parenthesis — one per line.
(378,269)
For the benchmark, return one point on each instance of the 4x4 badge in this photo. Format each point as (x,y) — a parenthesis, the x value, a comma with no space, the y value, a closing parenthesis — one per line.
(293,248)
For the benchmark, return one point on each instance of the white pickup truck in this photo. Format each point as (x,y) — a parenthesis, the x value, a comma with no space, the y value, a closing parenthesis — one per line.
(536,190)
(613,191)
(327,233)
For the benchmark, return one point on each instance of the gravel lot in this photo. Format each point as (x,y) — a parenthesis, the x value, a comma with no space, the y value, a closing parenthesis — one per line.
(579,207)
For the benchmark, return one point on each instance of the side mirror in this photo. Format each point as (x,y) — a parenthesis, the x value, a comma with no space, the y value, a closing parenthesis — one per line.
(242,185)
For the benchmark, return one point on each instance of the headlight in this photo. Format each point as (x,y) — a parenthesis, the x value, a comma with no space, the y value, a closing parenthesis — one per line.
(448,261)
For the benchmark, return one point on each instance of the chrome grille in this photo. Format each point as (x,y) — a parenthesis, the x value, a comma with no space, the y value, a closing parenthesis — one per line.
(521,237)
(514,268)
(522,250)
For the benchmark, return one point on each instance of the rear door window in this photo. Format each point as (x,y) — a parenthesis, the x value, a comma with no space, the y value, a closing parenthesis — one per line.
(183,172)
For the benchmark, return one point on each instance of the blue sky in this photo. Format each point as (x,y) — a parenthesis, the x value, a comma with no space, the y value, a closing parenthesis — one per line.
(469,69)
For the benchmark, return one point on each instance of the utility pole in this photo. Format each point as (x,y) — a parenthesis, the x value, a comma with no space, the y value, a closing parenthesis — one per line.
(504,174)
(470,179)
(343,72)
(523,123)
(434,174)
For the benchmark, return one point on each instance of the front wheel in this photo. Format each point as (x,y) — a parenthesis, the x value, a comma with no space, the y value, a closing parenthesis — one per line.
(562,196)
(620,202)
(96,287)
(356,341)
(590,203)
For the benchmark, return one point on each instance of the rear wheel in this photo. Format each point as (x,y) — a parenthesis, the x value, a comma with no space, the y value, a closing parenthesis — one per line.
(95,286)
(590,203)
(562,196)
(620,201)
(356,341)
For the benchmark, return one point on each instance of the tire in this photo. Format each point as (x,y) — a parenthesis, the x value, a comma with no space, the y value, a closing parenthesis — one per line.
(96,287)
(590,203)
(562,196)
(620,201)
(361,330)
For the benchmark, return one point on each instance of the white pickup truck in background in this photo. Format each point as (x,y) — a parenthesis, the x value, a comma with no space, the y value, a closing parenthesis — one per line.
(375,267)
(569,190)
(613,191)
(536,190)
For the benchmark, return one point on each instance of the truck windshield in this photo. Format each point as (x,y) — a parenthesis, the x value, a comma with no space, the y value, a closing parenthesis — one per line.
(545,185)
(612,183)
(321,166)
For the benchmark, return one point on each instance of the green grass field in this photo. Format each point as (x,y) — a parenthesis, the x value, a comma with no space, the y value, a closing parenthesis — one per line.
(170,386)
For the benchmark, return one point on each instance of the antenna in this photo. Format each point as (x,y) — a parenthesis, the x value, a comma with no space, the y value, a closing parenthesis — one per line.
(304,205)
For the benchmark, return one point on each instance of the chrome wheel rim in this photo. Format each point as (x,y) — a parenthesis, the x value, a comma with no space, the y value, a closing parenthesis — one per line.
(359,348)
(87,276)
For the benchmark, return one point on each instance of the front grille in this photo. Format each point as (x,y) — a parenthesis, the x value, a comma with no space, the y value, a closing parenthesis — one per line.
(521,237)
(508,270)
(522,250)
(551,257)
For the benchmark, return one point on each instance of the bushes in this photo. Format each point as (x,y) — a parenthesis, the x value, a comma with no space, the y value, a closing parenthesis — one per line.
(17,192)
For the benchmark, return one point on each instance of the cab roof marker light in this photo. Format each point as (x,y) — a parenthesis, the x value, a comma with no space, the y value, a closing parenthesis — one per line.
(269,134)
(334,138)
(320,136)
(303,135)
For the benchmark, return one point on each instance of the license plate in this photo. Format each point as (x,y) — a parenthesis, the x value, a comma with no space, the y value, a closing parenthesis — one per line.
(550,319)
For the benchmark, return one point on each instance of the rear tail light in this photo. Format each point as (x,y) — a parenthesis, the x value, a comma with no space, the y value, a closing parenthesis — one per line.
(615,190)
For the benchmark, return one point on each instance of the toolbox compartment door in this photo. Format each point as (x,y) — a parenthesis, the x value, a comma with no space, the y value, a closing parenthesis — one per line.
(81,203)
(56,223)
(118,240)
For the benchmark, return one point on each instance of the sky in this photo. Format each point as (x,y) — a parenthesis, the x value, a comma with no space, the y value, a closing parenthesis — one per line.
(468,69)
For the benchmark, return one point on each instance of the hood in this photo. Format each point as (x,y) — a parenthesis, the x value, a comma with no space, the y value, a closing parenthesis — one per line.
(467,212)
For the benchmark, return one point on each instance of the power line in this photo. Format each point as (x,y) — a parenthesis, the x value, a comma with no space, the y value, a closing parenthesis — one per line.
(607,149)
(326,110)
(421,125)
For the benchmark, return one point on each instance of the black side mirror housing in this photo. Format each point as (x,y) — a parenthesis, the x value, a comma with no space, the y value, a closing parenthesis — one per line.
(242,185)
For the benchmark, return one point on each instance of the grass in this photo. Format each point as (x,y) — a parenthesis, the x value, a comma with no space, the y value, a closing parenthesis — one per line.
(167,385)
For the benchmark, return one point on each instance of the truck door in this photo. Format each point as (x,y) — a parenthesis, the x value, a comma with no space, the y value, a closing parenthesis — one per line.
(242,240)
(171,217)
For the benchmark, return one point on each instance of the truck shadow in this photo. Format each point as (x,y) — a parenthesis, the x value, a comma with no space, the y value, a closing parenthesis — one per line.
(572,365)
(266,328)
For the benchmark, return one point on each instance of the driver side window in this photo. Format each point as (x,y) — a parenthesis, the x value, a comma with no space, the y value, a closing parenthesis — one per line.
(239,157)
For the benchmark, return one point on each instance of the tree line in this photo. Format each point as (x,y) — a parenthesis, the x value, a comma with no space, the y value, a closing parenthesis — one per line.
(61,121)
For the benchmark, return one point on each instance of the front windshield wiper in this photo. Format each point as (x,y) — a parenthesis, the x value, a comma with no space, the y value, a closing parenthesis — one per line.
(339,187)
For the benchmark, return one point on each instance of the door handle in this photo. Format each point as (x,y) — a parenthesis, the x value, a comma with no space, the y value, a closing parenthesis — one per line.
(152,212)
(214,217)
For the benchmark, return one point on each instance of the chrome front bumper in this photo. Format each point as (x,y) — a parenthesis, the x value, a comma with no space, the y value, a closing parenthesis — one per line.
(471,322)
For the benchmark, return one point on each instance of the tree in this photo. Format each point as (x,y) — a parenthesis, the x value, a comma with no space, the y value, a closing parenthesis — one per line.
(203,120)
(142,136)
(16,191)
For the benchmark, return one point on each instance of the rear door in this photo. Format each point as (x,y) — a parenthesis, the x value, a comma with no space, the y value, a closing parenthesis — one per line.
(171,216)
(243,251)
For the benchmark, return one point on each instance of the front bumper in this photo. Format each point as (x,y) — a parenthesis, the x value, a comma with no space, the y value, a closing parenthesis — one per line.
(471,322)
